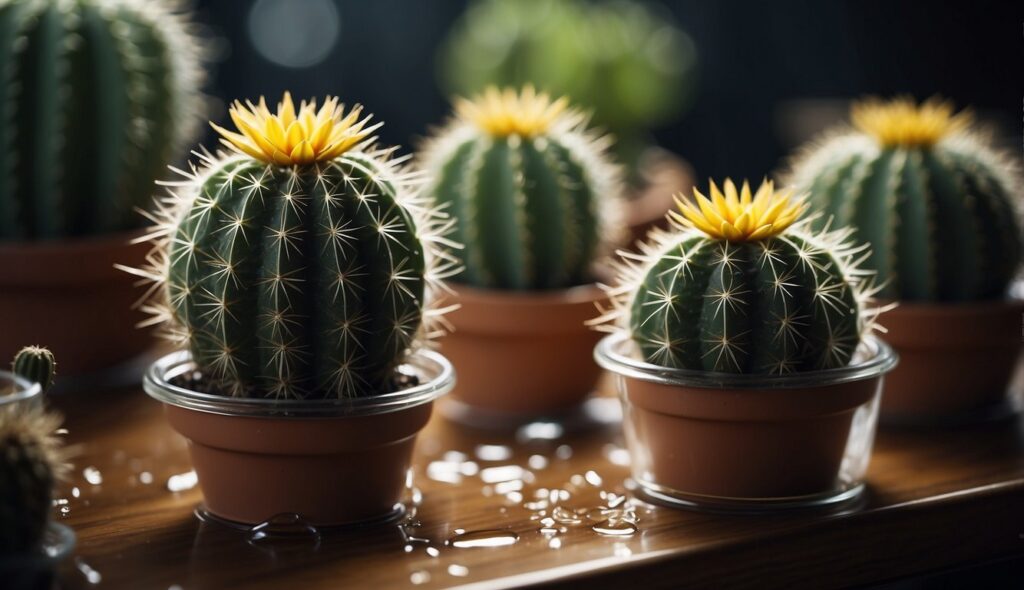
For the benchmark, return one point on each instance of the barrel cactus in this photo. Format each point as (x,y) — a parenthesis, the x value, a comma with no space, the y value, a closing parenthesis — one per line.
(740,284)
(934,200)
(31,462)
(299,264)
(531,189)
(36,364)
(96,97)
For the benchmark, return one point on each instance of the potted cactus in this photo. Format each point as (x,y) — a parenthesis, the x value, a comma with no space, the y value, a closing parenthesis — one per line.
(533,197)
(97,98)
(939,207)
(741,350)
(32,461)
(298,272)
(627,62)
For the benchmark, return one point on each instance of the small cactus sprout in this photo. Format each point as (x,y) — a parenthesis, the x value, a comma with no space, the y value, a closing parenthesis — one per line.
(31,462)
(301,263)
(936,203)
(96,98)
(36,364)
(739,284)
(531,189)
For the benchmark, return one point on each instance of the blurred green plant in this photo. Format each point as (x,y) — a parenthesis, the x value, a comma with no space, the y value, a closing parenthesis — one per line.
(625,61)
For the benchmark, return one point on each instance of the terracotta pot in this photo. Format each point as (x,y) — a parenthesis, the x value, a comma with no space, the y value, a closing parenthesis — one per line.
(662,176)
(521,355)
(67,295)
(955,359)
(331,462)
(741,442)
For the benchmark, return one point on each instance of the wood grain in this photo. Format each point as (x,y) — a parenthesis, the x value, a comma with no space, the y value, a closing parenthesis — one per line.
(936,500)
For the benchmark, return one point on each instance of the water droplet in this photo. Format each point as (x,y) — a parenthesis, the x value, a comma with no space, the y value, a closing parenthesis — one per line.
(484,538)
(509,486)
(536,505)
(285,527)
(548,531)
(539,431)
(146,477)
(419,577)
(565,515)
(603,410)
(614,500)
(616,455)
(92,475)
(555,543)
(459,571)
(593,478)
(182,482)
(433,551)
(75,492)
(65,510)
(537,462)
(493,452)
(92,576)
(60,501)
(563,452)
(620,528)
(469,468)
(503,473)
(454,456)
(514,497)
(445,472)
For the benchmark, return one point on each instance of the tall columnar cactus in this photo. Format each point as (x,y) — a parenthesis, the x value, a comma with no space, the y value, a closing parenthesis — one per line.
(532,191)
(36,364)
(31,462)
(934,200)
(96,97)
(739,285)
(300,265)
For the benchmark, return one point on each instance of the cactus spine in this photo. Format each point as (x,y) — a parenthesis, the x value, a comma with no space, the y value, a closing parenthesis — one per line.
(95,99)
(936,203)
(531,189)
(31,462)
(36,364)
(301,265)
(740,286)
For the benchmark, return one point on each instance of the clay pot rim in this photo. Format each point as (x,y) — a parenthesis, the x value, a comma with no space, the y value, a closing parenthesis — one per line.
(961,308)
(24,390)
(568,296)
(436,372)
(611,354)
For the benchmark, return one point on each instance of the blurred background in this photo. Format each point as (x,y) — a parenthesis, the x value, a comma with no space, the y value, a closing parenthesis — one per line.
(731,86)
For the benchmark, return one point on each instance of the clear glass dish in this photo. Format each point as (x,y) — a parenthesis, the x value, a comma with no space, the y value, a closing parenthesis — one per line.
(727,442)
(16,390)
(435,374)
(38,569)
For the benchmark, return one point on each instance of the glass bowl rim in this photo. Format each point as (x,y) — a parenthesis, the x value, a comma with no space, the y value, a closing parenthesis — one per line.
(436,372)
(26,390)
(610,355)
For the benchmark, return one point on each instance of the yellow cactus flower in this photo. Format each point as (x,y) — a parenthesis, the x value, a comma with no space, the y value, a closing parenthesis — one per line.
(738,215)
(295,138)
(902,122)
(502,113)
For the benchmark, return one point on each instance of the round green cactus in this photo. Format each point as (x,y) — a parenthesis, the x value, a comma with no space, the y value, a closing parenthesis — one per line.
(36,364)
(31,462)
(740,286)
(96,97)
(936,204)
(301,266)
(532,192)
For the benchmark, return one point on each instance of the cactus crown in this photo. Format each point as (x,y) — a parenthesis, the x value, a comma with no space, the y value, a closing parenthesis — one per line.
(290,138)
(902,122)
(501,113)
(36,364)
(761,296)
(740,215)
(311,279)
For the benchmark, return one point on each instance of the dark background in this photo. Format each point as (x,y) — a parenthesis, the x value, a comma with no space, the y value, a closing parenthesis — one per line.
(767,69)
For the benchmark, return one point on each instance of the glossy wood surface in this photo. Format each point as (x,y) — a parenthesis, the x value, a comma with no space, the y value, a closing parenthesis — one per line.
(935,500)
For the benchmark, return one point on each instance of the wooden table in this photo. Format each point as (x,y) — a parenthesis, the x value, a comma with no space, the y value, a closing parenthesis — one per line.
(936,500)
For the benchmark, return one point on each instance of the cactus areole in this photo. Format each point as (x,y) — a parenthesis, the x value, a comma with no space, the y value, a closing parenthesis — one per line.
(936,203)
(531,190)
(301,263)
(741,285)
